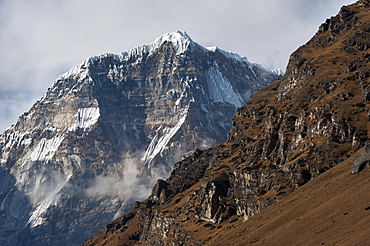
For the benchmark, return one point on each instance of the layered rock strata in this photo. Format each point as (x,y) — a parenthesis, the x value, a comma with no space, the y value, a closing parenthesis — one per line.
(108,128)
(287,134)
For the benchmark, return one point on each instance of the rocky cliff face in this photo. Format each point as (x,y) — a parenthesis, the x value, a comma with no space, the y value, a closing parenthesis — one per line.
(108,128)
(287,134)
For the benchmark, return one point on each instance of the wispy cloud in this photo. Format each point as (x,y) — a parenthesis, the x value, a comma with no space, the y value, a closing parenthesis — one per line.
(124,182)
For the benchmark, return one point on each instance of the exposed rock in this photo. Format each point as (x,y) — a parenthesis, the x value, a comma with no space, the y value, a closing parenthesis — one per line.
(160,192)
(287,134)
(361,161)
(363,3)
(108,129)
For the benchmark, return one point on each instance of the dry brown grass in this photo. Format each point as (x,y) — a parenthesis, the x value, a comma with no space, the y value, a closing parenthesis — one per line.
(331,209)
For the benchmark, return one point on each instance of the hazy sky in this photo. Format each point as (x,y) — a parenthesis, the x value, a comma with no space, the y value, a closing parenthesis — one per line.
(41,39)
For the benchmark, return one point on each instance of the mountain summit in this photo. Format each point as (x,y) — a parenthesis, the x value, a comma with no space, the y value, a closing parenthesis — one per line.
(294,169)
(108,128)
(179,39)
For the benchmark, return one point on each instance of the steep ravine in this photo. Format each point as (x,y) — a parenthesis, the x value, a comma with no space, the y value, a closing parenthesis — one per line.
(287,134)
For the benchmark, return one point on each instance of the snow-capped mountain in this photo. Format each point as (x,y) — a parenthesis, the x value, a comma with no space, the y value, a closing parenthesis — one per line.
(108,128)
(294,169)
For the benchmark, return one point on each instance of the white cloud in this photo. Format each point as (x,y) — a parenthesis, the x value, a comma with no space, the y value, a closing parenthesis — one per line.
(41,39)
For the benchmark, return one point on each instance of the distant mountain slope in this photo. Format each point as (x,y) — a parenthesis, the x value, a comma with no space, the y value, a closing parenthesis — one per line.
(287,134)
(108,128)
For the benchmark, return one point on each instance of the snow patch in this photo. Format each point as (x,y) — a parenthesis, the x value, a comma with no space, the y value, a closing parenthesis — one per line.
(180,39)
(79,69)
(159,143)
(51,198)
(220,89)
(26,141)
(85,118)
(278,72)
(46,148)
(15,138)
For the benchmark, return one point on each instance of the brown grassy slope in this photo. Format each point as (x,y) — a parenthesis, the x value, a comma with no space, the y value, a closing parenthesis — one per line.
(332,209)
(288,133)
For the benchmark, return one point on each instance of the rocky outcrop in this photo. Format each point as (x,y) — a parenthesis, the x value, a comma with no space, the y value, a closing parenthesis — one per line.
(286,135)
(361,161)
(109,128)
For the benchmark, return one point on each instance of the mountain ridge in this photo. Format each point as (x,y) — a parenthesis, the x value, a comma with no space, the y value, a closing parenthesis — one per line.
(107,129)
(288,134)
(180,39)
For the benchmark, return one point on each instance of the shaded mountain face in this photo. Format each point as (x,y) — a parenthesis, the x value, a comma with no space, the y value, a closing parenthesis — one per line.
(108,128)
(287,134)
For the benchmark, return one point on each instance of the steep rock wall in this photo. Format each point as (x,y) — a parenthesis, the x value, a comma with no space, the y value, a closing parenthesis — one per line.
(287,134)
(108,128)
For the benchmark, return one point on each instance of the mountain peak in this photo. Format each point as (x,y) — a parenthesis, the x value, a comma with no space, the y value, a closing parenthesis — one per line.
(108,128)
(180,39)
(296,133)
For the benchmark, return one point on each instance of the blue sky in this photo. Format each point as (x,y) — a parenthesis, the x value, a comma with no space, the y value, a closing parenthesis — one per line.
(41,39)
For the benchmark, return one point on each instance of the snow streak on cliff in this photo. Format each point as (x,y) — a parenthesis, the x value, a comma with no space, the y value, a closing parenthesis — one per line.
(108,128)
